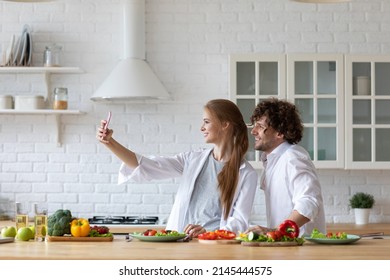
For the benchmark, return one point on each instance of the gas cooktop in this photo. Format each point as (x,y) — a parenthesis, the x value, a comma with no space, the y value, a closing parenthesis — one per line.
(123,220)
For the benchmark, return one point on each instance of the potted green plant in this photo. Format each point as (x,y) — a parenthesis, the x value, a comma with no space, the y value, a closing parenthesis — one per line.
(362,203)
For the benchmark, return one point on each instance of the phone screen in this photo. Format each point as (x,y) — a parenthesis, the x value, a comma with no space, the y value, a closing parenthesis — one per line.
(108,120)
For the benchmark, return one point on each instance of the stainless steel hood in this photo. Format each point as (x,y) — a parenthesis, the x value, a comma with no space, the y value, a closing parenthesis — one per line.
(132,79)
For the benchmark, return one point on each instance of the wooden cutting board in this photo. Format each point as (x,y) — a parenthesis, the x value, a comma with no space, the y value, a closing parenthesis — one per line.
(270,244)
(220,241)
(79,239)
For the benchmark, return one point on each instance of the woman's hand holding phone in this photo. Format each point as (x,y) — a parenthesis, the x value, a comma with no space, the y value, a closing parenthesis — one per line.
(103,131)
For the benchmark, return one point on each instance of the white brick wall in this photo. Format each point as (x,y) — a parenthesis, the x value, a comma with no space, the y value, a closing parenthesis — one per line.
(188,43)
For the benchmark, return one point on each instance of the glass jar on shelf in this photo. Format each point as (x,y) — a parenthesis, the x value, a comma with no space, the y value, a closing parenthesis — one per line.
(51,56)
(60,98)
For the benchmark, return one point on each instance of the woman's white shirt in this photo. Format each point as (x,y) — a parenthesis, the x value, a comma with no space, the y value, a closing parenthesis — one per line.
(188,166)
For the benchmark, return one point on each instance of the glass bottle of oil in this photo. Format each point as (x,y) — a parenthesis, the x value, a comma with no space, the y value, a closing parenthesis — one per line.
(21,217)
(40,222)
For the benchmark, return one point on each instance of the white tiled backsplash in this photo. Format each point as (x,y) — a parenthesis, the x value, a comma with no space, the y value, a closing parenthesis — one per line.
(187,45)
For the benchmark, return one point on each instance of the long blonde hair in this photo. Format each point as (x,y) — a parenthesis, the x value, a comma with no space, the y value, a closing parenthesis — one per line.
(226,111)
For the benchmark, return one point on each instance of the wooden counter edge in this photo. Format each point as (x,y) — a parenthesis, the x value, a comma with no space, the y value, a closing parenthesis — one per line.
(333,227)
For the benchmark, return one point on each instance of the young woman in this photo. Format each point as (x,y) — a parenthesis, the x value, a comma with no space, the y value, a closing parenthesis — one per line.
(218,185)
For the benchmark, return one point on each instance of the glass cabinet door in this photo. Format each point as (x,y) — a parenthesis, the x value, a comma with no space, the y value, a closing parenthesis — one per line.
(315,85)
(368,112)
(254,77)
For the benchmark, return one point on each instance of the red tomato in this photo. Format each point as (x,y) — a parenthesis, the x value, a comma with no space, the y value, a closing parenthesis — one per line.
(163,231)
(274,235)
(278,234)
(225,234)
(209,235)
(152,232)
(329,235)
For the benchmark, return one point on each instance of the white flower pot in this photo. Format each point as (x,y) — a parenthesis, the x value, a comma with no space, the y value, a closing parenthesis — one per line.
(362,215)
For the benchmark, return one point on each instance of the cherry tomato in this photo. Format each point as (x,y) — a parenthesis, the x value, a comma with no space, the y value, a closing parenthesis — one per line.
(329,235)
(149,232)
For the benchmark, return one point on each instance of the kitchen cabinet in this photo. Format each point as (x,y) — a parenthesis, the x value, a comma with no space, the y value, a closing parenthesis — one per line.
(367,112)
(254,77)
(46,72)
(315,84)
(343,101)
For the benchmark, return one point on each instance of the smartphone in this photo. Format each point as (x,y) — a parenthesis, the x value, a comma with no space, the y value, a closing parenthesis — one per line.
(108,120)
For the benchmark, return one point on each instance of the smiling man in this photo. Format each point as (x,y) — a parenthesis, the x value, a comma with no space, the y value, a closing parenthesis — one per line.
(289,179)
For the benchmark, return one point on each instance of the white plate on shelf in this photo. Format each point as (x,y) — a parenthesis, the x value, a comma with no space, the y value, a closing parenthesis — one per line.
(21,46)
(23,53)
(30,50)
(15,52)
(9,51)
(27,47)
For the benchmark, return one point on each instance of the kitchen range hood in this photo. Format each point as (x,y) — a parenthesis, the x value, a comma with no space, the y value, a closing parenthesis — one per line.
(132,79)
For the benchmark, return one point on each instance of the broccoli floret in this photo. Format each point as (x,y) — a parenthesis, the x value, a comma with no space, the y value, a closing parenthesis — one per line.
(59,223)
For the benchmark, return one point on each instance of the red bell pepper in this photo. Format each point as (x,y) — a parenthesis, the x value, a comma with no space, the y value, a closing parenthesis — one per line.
(289,228)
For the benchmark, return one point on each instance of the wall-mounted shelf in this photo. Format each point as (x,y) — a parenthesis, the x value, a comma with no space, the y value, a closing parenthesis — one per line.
(37,70)
(56,113)
(46,71)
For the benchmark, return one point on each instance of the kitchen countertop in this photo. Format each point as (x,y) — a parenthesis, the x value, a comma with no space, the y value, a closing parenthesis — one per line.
(120,249)
(343,227)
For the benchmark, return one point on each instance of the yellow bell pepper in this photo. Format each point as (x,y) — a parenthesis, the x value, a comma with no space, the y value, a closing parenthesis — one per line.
(80,228)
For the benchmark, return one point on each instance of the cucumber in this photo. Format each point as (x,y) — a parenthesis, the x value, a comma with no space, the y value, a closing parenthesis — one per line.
(252,236)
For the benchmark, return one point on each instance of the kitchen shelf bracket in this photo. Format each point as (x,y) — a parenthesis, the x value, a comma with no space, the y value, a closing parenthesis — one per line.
(48,85)
(58,130)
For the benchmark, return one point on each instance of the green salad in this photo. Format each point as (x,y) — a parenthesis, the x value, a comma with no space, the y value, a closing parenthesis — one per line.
(269,237)
(329,235)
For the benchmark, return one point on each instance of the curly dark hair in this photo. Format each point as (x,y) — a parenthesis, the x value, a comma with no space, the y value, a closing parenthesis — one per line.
(282,116)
